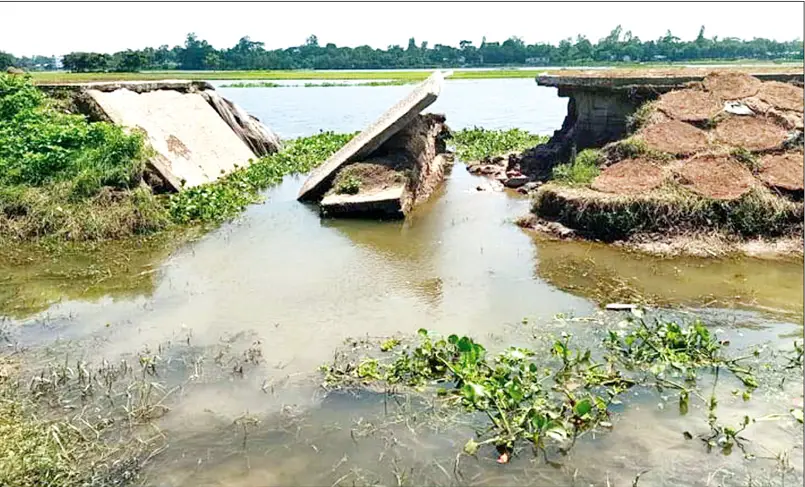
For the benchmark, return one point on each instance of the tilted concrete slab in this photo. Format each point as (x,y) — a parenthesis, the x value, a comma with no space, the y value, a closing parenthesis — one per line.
(385,203)
(194,145)
(372,137)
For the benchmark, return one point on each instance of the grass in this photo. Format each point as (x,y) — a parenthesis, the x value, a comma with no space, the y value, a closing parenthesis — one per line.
(670,209)
(476,144)
(269,84)
(62,176)
(64,77)
(347,185)
(582,170)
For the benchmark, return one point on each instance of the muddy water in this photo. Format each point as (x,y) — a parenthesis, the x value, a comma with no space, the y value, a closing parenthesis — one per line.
(294,287)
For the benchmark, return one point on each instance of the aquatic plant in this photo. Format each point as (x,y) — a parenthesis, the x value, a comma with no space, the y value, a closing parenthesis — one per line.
(582,170)
(253,84)
(476,144)
(552,397)
(225,198)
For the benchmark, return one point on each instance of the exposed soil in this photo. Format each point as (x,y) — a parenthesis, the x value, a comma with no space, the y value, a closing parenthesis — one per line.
(373,176)
(751,133)
(689,105)
(731,85)
(782,95)
(716,176)
(674,137)
(631,176)
(783,171)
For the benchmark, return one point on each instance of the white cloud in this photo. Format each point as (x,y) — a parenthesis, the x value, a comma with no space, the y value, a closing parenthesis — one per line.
(58,28)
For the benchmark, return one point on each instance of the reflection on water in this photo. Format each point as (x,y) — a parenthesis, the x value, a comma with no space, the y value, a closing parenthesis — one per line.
(608,274)
(34,277)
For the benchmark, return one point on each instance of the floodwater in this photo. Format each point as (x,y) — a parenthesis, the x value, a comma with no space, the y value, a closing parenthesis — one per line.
(295,287)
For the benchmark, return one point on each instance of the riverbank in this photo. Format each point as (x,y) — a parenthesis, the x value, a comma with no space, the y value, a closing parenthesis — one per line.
(391,75)
(708,167)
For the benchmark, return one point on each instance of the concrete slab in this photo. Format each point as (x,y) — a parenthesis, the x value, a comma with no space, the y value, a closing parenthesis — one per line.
(385,203)
(372,137)
(194,145)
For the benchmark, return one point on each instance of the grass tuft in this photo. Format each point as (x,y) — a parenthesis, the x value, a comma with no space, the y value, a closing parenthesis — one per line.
(668,210)
(582,170)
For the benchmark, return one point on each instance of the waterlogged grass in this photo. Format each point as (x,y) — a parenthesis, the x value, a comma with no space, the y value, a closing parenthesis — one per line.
(225,198)
(550,398)
(255,84)
(582,170)
(476,144)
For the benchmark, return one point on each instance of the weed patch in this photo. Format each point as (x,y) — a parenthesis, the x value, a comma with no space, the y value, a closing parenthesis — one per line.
(582,170)
(550,398)
(476,143)
(223,199)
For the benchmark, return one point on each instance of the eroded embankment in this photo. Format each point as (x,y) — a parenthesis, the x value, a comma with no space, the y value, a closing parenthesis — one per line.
(721,158)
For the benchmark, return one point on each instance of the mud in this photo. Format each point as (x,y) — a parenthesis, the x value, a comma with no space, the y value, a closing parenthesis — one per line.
(674,137)
(631,176)
(717,177)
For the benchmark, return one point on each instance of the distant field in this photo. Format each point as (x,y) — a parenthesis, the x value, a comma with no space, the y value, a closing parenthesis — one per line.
(63,77)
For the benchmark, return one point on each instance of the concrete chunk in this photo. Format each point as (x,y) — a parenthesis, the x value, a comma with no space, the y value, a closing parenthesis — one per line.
(365,143)
(387,203)
(194,145)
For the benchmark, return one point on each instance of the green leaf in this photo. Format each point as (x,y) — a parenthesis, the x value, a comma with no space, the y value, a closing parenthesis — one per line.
(471,447)
(583,407)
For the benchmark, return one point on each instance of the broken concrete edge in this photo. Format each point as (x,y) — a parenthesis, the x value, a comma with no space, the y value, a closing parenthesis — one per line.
(183,86)
(645,83)
(394,202)
(387,203)
(258,138)
(373,136)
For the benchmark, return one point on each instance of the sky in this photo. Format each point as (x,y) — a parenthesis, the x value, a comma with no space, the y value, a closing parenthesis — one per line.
(58,28)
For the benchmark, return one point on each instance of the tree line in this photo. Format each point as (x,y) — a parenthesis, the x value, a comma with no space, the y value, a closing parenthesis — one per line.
(617,47)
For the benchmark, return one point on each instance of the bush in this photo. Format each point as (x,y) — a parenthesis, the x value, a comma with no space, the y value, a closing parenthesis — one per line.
(582,170)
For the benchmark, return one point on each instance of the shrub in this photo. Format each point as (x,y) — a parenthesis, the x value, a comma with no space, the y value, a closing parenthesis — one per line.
(582,170)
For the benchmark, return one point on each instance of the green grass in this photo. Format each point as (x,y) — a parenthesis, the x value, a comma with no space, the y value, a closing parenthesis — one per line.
(62,176)
(668,210)
(269,84)
(64,77)
(476,144)
(582,170)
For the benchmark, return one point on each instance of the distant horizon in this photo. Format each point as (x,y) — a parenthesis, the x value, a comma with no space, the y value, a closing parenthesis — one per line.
(137,26)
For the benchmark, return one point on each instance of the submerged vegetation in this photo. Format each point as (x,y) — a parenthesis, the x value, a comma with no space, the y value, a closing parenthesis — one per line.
(477,143)
(550,398)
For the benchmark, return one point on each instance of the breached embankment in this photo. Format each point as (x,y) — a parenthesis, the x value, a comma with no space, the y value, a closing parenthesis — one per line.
(393,165)
(197,135)
(710,167)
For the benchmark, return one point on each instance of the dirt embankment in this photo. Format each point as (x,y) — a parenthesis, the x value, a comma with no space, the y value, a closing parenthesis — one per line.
(721,160)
